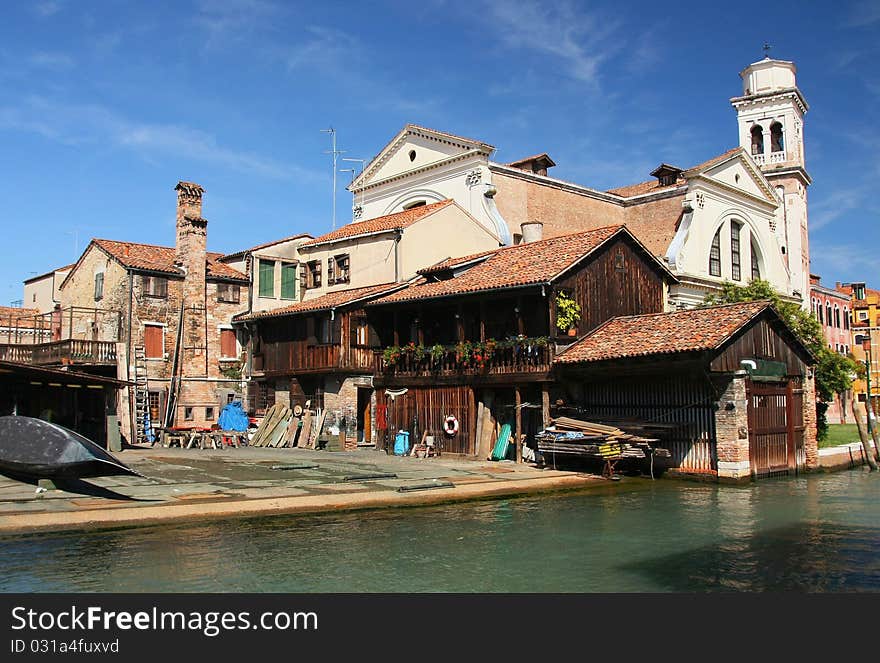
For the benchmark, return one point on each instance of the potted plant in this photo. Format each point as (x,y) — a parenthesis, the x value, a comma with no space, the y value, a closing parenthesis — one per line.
(568,313)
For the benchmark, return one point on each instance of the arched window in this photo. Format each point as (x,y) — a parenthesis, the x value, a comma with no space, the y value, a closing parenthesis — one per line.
(776,142)
(819,309)
(828,319)
(756,268)
(837,317)
(715,255)
(757,139)
(417,203)
(845,318)
(735,272)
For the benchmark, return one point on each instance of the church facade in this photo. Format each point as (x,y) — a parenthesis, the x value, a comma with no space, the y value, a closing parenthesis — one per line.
(738,216)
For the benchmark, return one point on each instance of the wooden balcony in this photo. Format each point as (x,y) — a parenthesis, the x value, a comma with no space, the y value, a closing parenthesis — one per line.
(529,360)
(293,357)
(65,352)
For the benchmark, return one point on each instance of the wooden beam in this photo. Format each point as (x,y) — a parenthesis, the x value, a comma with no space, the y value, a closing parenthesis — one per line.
(482,321)
(545,405)
(516,391)
(459,323)
(520,323)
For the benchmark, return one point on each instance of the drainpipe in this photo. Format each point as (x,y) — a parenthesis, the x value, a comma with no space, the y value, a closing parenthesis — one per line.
(397,237)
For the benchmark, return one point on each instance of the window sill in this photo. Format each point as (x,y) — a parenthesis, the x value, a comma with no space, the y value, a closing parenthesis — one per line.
(228,358)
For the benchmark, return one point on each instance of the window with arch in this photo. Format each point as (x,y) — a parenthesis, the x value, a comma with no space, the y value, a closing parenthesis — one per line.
(757,139)
(417,203)
(828,319)
(777,143)
(715,255)
(845,318)
(819,310)
(837,317)
(735,254)
(756,267)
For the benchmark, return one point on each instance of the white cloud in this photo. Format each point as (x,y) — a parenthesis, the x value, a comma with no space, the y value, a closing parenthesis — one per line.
(325,48)
(863,14)
(51,60)
(47,9)
(227,21)
(581,41)
(77,124)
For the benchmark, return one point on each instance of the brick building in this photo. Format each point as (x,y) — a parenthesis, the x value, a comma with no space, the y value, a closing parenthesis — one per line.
(831,308)
(865,303)
(174,309)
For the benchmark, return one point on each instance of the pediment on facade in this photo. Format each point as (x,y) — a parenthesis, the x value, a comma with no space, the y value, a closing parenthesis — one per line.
(738,173)
(414,149)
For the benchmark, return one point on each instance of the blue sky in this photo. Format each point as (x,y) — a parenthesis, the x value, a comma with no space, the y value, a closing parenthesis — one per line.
(104,106)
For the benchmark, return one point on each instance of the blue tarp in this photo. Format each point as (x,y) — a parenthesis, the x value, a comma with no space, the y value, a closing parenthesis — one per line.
(233,417)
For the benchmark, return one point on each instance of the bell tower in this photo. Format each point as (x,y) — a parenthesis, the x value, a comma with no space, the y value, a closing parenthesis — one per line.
(770,114)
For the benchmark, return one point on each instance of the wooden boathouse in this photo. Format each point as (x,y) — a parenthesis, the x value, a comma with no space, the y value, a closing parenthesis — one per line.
(729,389)
(475,337)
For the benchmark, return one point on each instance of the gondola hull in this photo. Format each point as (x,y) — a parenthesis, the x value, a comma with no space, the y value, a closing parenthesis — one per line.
(35,449)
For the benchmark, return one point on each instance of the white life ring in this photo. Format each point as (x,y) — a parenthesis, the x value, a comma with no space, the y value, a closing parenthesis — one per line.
(450,425)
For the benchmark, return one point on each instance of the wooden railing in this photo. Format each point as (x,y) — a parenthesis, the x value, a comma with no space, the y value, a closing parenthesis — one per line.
(23,354)
(69,351)
(501,361)
(300,356)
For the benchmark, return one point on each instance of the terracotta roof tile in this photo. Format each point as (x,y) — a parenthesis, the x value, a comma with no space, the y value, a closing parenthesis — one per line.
(507,267)
(161,259)
(12,316)
(396,221)
(653,186)
(644,188)
(238,254)
(693,330)
(324,302)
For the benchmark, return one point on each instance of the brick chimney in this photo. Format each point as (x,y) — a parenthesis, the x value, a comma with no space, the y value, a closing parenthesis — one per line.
(191,256)
(192,229)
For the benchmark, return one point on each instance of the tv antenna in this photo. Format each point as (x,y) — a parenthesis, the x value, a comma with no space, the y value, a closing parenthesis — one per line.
(335,155)
(355,174)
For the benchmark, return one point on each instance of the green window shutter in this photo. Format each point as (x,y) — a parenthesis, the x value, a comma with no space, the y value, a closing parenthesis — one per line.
(267,278)
(288,281)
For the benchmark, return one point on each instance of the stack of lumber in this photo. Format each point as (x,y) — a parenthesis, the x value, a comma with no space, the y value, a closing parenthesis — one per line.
(281,427)
(573,437)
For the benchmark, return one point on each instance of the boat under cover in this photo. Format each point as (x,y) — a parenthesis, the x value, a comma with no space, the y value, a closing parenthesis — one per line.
(37,449)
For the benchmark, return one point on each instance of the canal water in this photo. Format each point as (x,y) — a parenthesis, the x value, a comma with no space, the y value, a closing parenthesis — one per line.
(820,533)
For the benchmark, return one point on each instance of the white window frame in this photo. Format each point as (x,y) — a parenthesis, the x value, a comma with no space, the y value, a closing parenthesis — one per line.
(220,329)
(150,323)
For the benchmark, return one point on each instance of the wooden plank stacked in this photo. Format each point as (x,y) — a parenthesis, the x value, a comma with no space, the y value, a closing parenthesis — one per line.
(586,439)
(282,428)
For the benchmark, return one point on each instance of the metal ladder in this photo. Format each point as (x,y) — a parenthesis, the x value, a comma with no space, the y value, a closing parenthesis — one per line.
(141,394)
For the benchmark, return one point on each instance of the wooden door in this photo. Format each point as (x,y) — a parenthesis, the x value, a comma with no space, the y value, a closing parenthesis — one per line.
(772,428)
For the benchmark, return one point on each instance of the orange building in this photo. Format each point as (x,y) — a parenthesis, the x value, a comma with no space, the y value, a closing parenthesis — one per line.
(866,337)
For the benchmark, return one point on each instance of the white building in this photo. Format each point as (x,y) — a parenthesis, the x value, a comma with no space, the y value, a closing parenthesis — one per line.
(737,216)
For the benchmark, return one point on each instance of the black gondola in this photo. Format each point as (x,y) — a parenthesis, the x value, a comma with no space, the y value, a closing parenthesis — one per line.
(36,449)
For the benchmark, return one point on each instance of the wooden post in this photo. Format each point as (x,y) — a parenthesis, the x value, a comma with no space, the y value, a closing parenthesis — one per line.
(482,321)
(520,323)
(459,323)
(421,326)
(872,427)
(516,438)
(863,435)
(545,404)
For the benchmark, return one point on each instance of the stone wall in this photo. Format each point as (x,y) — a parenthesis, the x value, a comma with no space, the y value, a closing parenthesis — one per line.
(732,431)
(811,444)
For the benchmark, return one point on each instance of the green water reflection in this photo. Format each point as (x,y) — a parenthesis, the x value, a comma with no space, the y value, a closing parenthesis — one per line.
(815,534)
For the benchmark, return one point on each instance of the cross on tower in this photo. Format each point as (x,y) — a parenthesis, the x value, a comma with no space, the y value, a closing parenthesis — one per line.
(767,48)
